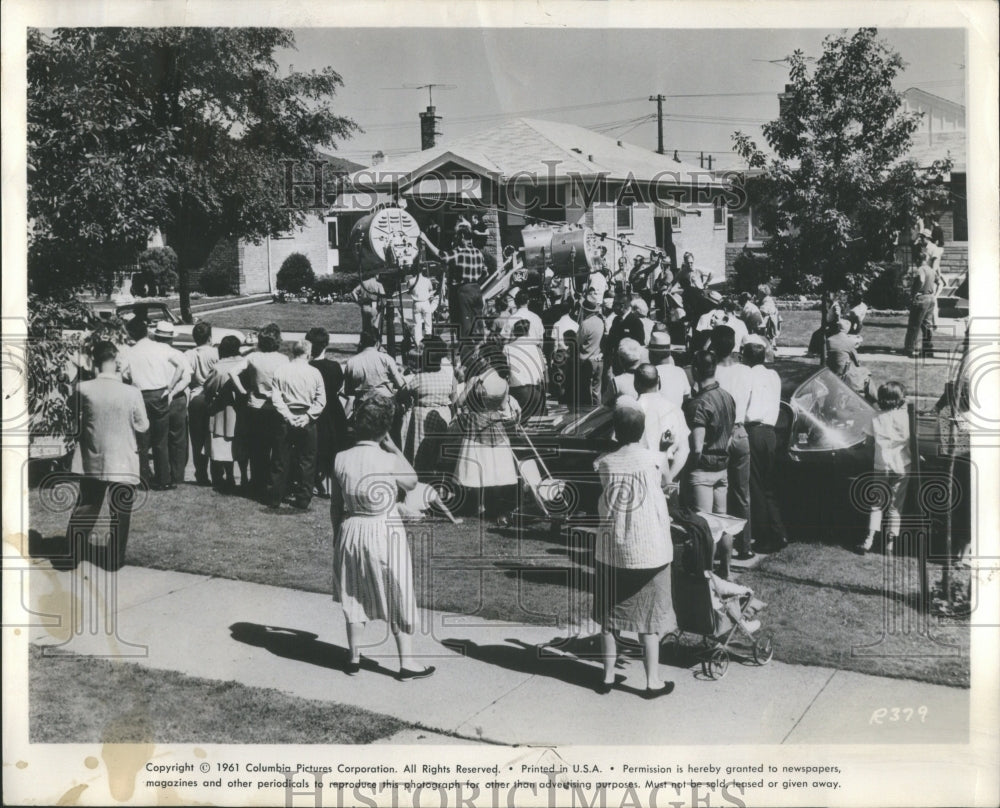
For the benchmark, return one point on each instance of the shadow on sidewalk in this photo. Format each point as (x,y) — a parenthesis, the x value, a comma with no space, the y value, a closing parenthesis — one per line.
(302,646)
(535,661)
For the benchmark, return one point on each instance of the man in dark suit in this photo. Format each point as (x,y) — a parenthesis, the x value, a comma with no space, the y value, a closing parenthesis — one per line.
(110,413)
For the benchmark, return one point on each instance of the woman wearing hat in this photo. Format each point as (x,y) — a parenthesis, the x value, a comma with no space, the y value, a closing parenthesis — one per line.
(485,460)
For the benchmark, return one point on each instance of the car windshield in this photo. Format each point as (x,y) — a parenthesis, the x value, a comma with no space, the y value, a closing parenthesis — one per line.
(827,415)
(153,314)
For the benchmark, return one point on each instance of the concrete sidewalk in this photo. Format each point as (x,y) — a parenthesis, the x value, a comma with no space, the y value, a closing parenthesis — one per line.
(493,684)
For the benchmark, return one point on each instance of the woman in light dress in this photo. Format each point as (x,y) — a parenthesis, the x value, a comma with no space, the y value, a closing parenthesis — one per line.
(485,461)
(372,569)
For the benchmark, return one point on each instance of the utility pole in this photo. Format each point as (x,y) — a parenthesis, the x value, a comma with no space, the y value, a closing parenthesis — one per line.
(659,99)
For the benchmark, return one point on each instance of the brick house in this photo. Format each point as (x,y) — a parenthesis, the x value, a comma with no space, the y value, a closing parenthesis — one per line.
(525,170)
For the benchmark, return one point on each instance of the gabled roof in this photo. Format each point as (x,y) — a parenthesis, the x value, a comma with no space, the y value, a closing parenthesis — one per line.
(546,150)
(917,96)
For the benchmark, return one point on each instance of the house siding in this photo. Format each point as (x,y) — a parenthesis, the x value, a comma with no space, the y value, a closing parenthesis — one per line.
(259,263)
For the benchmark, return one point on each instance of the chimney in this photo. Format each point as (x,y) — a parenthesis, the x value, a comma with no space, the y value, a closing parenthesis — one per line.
(429,130)
(378,158)
(709,162)
(701,160)
(783,98)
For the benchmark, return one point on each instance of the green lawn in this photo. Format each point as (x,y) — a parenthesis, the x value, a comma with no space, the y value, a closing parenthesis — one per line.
(83,700)
(925,379)
(882,332)
(824,600)
(343,318)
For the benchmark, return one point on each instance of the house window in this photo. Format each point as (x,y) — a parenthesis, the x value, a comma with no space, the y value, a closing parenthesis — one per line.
(332,234)
(623,217)
(719,213)
(755,231)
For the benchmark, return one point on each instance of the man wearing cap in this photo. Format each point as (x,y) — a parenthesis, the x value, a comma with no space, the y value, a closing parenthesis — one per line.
(674,383)
(161,373)
(468,270)
(931,246)
(761,416)
(588,339)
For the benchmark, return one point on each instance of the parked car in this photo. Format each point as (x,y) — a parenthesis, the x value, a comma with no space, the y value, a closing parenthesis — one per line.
(156,312)
(820,433)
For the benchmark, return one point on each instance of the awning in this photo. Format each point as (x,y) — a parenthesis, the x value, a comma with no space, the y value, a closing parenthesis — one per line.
(466,188)
(358,202)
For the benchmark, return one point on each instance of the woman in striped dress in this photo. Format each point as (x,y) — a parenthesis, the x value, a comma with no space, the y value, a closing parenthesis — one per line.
(372,569)
(433,389)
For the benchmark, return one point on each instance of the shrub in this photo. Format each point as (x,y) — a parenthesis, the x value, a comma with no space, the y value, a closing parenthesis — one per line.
(216,282)
(752,269)
(55,357)
(296,274)
(325,286)
(159,267)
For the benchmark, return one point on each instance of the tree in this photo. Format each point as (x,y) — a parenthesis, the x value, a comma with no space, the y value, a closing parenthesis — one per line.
(184,129)
(838,189)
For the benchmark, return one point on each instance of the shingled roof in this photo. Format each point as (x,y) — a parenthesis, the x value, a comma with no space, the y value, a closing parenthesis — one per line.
(546,149)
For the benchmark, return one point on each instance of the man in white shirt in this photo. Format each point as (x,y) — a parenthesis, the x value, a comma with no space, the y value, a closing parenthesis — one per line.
(666,429)
(736,380)
(674,383)
(162,374)
(299,397)
(761,416)
(630,356)
(527,371)
(421,291)
(537,330)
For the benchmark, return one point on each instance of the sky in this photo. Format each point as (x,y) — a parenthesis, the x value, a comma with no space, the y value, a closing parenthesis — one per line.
(597,78)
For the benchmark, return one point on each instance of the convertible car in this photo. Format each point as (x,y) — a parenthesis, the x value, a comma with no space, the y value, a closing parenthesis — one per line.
(822,447)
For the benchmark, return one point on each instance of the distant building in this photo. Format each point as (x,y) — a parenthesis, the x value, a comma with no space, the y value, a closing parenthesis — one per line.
(941,135)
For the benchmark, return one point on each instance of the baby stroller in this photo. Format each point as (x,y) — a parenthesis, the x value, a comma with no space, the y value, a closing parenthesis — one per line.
(724,632)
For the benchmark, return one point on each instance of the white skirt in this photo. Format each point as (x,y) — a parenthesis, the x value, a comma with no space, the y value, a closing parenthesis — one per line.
(481,466)
(373,572)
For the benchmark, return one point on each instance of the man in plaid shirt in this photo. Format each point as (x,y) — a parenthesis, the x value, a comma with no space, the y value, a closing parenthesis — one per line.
(467,269)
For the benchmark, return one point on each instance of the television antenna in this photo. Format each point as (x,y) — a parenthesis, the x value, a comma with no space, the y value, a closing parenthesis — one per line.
(784,60)
(429,87)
